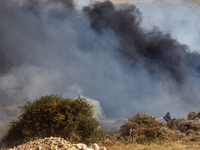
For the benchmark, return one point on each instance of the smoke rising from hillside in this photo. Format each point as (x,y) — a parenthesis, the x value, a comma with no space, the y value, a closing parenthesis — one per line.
(182,25)
(103,52)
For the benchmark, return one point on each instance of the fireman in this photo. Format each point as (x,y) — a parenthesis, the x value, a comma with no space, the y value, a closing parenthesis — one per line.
(167,117)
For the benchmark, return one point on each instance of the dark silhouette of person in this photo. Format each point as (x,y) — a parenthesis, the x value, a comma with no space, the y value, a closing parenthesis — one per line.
(167,117)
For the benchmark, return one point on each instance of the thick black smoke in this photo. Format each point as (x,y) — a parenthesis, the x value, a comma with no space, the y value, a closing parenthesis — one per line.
(102,52)
(154,49)
(162,56)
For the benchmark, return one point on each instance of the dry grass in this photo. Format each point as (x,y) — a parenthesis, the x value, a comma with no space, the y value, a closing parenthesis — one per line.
(153,146)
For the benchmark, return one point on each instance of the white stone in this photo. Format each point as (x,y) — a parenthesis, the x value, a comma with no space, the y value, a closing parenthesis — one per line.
(55,143)
(61,143)
(81,146)
(90,149)
(95,146)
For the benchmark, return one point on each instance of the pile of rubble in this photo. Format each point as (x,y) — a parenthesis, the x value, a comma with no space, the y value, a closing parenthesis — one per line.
(55,143)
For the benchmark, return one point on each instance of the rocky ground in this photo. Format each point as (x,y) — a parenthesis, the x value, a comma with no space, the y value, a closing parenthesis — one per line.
(55,143)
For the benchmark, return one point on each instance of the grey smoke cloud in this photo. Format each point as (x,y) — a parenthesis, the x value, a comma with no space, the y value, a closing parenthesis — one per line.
(180,18)
(51,47)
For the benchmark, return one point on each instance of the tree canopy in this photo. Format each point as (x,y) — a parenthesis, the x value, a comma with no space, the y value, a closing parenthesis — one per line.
(142,128)
(52,115)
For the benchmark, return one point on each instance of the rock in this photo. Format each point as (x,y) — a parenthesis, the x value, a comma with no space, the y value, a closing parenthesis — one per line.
(61,144)
(39,148)
(81,146)
(95,146)
(102,148)
(54,143)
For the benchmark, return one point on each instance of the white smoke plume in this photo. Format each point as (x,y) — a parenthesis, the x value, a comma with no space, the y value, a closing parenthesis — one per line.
(98,111)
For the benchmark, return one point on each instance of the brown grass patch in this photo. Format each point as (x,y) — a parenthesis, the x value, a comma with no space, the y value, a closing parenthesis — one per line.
(159,146)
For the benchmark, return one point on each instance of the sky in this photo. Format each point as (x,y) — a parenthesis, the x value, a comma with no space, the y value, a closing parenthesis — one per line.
(122,58)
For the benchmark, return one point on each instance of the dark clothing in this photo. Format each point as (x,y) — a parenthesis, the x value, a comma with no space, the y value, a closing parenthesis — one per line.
(167,117)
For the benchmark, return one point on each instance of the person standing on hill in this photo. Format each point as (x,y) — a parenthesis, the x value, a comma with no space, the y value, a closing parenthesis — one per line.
(167,117)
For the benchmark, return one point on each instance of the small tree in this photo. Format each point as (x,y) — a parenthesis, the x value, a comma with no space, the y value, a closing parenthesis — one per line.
(53,115)
(141,128)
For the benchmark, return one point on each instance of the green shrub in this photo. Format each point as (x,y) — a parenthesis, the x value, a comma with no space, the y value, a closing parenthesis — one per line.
(53,115)
(142,129)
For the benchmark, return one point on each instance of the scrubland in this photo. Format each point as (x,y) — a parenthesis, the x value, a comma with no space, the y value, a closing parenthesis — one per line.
(73,120)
